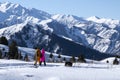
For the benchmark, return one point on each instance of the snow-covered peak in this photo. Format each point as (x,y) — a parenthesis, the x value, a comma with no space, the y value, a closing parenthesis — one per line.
(93,18)
(67,17)
(103,20)
(17,9)
(15,13)
(4,7)
(69,20)
(60,16)
(95,32)
(8,31)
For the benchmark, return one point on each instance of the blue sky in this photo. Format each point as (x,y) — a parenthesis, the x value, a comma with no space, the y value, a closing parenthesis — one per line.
(81,8)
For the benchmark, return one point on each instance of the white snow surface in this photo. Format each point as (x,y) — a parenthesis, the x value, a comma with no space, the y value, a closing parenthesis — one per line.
(92,70)
(103,20)
(91,32)
(20,70)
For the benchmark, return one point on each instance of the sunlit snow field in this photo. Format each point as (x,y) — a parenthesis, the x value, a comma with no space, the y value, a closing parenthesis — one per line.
(20,70)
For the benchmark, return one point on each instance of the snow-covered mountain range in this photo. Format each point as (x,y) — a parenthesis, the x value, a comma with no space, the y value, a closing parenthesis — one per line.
(32,27)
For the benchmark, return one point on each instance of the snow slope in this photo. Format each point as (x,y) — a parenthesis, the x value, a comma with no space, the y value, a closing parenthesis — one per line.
(15,13)
(97,33)
(31,53)
(20,70)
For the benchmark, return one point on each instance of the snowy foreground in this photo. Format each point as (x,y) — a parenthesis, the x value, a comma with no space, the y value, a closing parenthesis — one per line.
(20,70)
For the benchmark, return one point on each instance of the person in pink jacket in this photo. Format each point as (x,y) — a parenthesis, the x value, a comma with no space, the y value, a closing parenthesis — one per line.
(42,59)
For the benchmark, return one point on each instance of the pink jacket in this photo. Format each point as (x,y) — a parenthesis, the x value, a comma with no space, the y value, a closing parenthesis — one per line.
(43,55)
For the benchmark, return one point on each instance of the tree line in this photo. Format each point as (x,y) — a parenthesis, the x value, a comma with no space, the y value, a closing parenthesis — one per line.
(60,58)
(14,53)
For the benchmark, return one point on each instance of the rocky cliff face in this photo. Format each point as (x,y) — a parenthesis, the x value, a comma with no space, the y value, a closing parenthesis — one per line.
(32,27)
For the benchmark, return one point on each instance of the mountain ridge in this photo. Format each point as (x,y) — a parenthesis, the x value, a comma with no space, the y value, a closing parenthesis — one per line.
(100,34)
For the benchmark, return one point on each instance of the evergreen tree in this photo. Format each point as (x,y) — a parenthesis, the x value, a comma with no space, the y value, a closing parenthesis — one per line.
(73,59)
(64,59)
(26,57)
(81,59)
(5,55)
(51,55)
(0,54)
(13,50)
(3,49)
(51,58)
(115,62)
(20,55)
(107,61)
(59,56)
(3,40)
(16,55)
